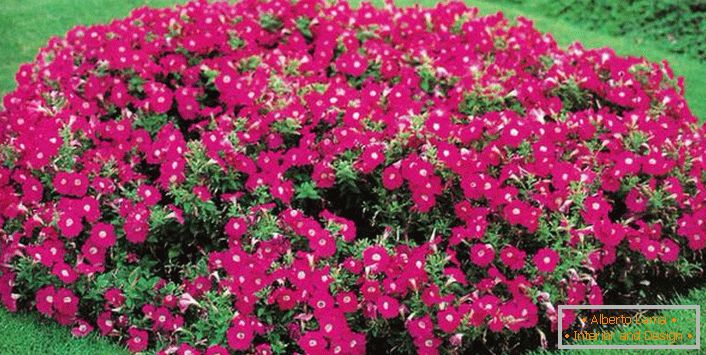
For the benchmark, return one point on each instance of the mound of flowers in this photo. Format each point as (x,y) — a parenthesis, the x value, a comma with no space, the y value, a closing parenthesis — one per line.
(280,177)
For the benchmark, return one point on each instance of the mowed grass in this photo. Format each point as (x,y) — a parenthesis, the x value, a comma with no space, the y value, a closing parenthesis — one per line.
(30,334)
(26,25)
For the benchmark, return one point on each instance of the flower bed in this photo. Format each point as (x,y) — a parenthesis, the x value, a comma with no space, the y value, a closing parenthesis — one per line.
(273,177)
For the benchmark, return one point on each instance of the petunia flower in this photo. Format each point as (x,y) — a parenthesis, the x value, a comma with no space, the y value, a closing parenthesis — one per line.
(546,260)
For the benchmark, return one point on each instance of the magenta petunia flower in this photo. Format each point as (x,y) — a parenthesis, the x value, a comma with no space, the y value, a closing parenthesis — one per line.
(105,323)
(239,338)
(216,350)
(376,258)
(44,300)
(138,341)
(81,329)
(669,252)
(64,272)
(482,254)
(388,307)
(103,235)
(313,343)
(448,320)
(236,227)
(546,260)
(513,257)
(114,297)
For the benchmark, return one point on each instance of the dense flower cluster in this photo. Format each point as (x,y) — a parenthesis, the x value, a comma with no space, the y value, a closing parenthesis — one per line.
(279,176)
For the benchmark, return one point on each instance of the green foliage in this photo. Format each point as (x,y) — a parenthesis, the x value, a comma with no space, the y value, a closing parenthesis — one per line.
(303,26)
(235,42)
(475,104)
(151,122)
(270,22)
(308,190)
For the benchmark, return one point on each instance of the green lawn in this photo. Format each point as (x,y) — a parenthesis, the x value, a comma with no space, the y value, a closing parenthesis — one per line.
(30,334)
(26,25)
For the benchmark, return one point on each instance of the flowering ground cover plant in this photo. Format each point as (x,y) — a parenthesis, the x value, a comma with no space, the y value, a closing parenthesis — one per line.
(278,177)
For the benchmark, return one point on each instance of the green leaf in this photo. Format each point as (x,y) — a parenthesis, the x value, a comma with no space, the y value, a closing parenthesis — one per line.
(307,190)
(270,22)
(303,26)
